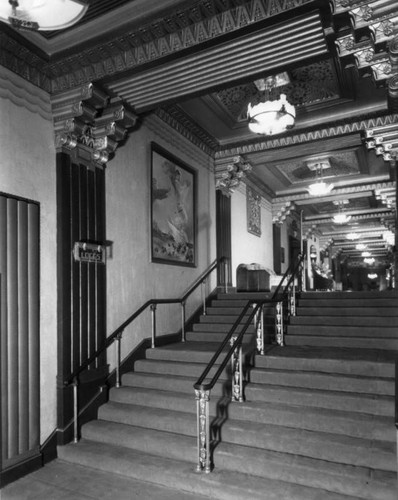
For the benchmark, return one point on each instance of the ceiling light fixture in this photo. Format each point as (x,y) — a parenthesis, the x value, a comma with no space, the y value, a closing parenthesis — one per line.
(366,254)
(319,187)
(341,217)
(271,116)
(369,260)
(352,236)
(372,276)
(46,15)
(361,246)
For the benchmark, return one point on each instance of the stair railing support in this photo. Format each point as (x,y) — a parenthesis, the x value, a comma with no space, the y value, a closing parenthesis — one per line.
(203,291)
(259,325)
(203,430)
(75,385)
(279,327)
(292,300)
(237,367)
(153,314)
(183,321)
(118,339)
(225,276)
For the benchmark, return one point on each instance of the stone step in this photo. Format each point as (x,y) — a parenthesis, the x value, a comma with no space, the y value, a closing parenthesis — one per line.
(368,301)
(177,474)
(351,424)
(358,321)
(366,362)
(181,369)
(325,475)
(343,331)
(213,336)
(349,295)
(221,327)
(324,381)
(386,343)
(354,402)
(172,383)
(254,461)
(310,310)
(337,448)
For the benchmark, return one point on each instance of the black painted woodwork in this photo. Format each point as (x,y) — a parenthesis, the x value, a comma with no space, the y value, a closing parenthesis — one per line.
(223,237)
(276,242)
(81,285)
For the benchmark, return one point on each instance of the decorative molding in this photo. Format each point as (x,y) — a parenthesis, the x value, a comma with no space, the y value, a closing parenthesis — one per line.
(166,132)
(303,137)
(230,173)
(253,206)
(184,125)
(22,93)
(280,210)
(88,121)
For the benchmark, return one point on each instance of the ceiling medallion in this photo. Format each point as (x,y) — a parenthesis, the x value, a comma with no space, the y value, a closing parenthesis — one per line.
(46,15)
(271,117)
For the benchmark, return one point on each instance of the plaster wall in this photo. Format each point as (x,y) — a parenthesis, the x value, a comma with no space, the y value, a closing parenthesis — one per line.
(132,279)
(248,248)
(28,171)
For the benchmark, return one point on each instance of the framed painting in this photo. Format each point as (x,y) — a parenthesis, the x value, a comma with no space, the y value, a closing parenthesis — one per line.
(173,209)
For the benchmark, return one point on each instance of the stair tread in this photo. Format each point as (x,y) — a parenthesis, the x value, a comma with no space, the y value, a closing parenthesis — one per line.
(170,472)
(268,463)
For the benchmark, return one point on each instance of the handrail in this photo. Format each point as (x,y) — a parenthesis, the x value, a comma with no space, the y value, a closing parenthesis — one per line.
(295,265)
(111,338)
(203,390)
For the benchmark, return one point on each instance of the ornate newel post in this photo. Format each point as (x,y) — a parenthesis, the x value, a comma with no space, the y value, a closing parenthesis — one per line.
(203,430)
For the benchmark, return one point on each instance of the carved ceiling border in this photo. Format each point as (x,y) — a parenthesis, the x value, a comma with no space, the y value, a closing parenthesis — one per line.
(304,137)
(182,29)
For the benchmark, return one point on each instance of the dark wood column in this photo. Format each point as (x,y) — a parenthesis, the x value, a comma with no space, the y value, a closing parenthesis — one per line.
(223,230)
(89,126)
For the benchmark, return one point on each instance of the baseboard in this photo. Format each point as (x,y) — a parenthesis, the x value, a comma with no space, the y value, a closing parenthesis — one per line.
(20,470)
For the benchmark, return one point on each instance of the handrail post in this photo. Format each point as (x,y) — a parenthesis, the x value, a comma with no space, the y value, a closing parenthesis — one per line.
(279,324)
(260,330)
(183,321)
(203,291)
(153,314)
(203,430)
(293,300)
(118,338)
(75,410)
(225,276)
(237,379)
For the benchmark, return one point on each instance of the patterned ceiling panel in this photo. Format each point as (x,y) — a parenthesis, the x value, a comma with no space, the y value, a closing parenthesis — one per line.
(342,164)
(311,84)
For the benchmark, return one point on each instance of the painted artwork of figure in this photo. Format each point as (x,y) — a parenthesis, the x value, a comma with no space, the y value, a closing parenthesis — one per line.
(172,211)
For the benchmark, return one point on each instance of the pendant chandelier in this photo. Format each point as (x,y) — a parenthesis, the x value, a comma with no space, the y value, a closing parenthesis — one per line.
(319,187)
(271,116)
(46,15)
(341,217)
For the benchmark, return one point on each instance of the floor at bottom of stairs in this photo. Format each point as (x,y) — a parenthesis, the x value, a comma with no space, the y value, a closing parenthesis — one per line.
(59,480)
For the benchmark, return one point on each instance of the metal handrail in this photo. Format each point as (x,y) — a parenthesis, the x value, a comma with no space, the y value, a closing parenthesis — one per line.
(202,390)
(152,302)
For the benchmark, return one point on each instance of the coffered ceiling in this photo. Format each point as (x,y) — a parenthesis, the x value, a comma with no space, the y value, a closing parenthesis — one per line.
(194,63)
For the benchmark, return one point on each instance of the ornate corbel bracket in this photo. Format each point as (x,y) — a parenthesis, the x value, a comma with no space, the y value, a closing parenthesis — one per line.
(90,124)
(230,172)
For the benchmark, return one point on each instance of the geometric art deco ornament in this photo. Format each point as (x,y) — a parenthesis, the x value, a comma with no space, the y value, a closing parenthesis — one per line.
(43,15)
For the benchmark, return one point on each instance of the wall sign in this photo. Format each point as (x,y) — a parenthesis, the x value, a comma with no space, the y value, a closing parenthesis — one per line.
(89,252)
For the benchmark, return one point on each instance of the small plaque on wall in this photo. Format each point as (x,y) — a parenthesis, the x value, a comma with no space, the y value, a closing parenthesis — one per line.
(89,252)
(253,201)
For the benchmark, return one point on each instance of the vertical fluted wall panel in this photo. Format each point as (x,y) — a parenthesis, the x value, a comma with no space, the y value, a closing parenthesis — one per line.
(23,327)
(3,330)
(33,324)
(12,326)
(19,337)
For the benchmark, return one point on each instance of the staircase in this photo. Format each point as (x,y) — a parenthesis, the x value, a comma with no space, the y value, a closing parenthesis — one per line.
(317,422)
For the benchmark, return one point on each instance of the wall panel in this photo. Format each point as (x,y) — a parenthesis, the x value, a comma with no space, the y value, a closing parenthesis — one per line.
(19,334)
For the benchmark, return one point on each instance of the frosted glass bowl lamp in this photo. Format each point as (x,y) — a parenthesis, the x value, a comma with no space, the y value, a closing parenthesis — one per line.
(45,15)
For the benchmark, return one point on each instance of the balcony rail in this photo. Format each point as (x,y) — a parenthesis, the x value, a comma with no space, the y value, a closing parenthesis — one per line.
(284,299)
(116,336)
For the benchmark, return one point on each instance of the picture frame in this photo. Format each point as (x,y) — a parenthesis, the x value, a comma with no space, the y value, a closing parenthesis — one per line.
(253,208)
(173,209)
